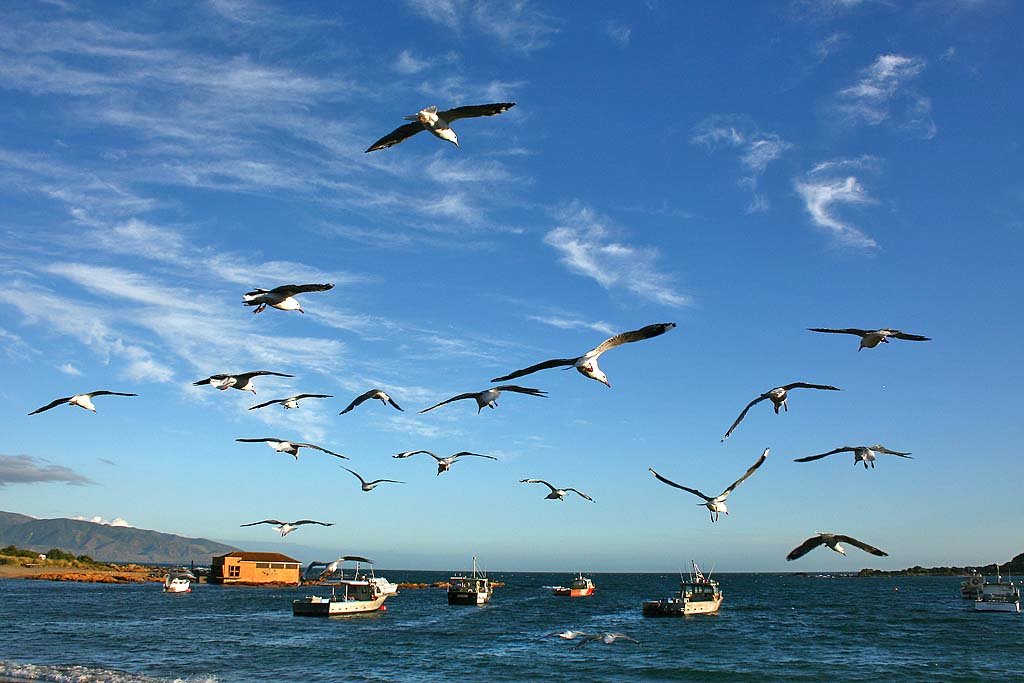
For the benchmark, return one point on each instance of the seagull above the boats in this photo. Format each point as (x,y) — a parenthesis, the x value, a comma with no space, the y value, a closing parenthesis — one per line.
(378,394)
(488,398)
(438,123)
(832,541)
(241,381)
(443,464)
(717,504)
(371,485)
(587,363)
(567,635)
(80,400)
(556,493)
(606,638)
(282,298)
(869,339)
(285,528)
(864,454)
(779,397)
(291,402)
(291,447)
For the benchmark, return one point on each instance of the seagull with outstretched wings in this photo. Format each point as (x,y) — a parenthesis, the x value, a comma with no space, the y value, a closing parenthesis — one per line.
(869,339)
(282,298)
(291,447)
(378,394)
(717,504)
(488,398)
(864,454)
(443,464)
(80,400)
(241,381)
(779,397)
(438,123)
(832,541)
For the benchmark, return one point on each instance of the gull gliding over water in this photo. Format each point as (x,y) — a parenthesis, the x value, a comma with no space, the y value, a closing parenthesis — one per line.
(378,394)
(606,638)
(587,363)
(443,464)
(489,397)
(371,485)
(80,400)
(291,402)
(556,493)
(437,123)
(717,504)
(241,381)
(291,447)
(779,397)
(864,454)
(832,541)
(282,298)
(869,339)
(286,528)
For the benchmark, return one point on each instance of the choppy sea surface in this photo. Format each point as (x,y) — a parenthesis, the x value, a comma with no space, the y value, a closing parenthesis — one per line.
(771,627)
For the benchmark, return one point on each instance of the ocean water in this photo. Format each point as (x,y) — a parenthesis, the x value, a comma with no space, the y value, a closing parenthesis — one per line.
(771,627)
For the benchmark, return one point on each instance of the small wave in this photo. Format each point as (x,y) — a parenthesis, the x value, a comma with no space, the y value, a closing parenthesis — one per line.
(71,673)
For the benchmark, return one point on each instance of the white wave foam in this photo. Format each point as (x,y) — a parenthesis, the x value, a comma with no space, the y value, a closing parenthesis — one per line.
(15,671)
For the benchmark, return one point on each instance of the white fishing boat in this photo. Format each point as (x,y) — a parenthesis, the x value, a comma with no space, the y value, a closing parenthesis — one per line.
(998,596)
(475,589)
(178,582)
(697,595)
(360,594)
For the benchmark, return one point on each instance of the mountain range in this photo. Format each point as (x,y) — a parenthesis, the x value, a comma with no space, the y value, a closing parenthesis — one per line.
(106,543)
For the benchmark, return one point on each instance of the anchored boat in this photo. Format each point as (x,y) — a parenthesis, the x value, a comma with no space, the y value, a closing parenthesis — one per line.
(698,595)
(998,596)
(581,587)
(178,582)
(357,595)
(475,589)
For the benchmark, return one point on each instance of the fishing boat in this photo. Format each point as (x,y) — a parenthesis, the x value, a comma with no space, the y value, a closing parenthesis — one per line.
(697,595)
(178,582)
(970,588)
(360,594)
(475,589)
(580,587)
(998,596)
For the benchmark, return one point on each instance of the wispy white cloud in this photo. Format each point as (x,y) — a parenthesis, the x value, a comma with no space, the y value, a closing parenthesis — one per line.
(518,24)
(409,64)
(96,519)
(26,469)
(588,247)
(884,85)
(756,149)
(69,369)
(573,323)
(619,33)
(830,184)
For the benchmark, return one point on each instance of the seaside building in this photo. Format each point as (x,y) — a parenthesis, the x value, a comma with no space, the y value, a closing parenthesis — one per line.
(246,568)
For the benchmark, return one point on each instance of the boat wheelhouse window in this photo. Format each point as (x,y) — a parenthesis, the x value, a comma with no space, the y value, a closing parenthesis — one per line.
(262,565)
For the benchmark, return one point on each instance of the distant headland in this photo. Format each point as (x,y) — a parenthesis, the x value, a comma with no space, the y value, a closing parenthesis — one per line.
(1014,566)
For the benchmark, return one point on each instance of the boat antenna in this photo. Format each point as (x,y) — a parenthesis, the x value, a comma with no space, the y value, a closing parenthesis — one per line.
(712,570)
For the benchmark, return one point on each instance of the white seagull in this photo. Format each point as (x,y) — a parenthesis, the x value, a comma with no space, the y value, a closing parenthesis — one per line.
(567,634)
(286,528)
(587,363)
(378,394)
(371,485)
(241,381)
(869,339)
(488,398)
(291,447)
(606,638)
(778,397)
(864,454)
(80,400)
(290,402)
(832,541)
(443,464)
(282,298)
(437,123)
(717,504)
(556,493)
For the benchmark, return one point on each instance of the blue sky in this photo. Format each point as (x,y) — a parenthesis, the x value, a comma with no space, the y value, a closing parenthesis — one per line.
(746,170)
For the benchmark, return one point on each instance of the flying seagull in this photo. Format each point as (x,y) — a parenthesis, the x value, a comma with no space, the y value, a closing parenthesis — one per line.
(567,634)
(291,447)
(587,363)
(290,402)
(717,504)
(869,339)
(864,454)
(286,528)
(443,464)
(282,298)
(241,381)
(832,541)
(606,638)
(489,397)
(80,400)
(371,485)
(778,396)
(437,123)
(556,493)
(378,394)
